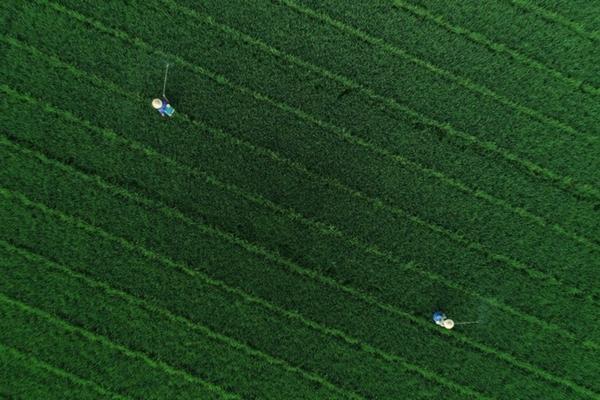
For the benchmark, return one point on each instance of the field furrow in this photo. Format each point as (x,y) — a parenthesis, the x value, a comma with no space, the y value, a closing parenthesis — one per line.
(579,16)
(24,375)
(562,248)
(445,66)
(180,248)
(527,33)
(562,231)
(289,333)
(402,161)
(333,174)
(528,142)
(54,341)
(200,191)
(479,128)
(512,53)
(189,346)
(322,229)
(504,259)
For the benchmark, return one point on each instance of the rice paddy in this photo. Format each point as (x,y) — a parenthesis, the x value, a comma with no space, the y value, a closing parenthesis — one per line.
(334,173)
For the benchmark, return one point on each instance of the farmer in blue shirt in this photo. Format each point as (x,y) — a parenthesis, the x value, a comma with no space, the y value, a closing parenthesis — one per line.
(163,107)
(440,319)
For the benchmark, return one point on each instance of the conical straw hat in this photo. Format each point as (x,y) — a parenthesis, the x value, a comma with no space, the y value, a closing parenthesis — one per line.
(448,324)
(157,103)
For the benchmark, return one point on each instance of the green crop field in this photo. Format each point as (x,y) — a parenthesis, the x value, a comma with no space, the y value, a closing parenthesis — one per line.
(335,172)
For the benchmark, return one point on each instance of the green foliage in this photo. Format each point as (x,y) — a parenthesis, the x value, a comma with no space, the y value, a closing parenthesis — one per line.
(334,173)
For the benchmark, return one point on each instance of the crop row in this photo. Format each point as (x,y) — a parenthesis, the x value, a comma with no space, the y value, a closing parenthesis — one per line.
(577,15)
(501,48)
(575,214)
(432,42)
(481,68)
(85,355)
(22,373)
(379,69)
(481,117)
(375,177)
(311,247)
(404,164)
(319,355)
(528,33)
(200,139)
(123,215)
(291,197)
(347,86)
(139,177)
(143,328)
(303,343)
(174,248)
(200,192)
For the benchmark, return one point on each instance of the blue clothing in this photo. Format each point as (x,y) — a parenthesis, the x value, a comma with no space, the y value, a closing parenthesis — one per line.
(438,316)
(166,110)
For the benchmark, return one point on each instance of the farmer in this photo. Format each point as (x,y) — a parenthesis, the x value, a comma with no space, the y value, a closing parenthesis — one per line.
(163,107)
(440,319)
